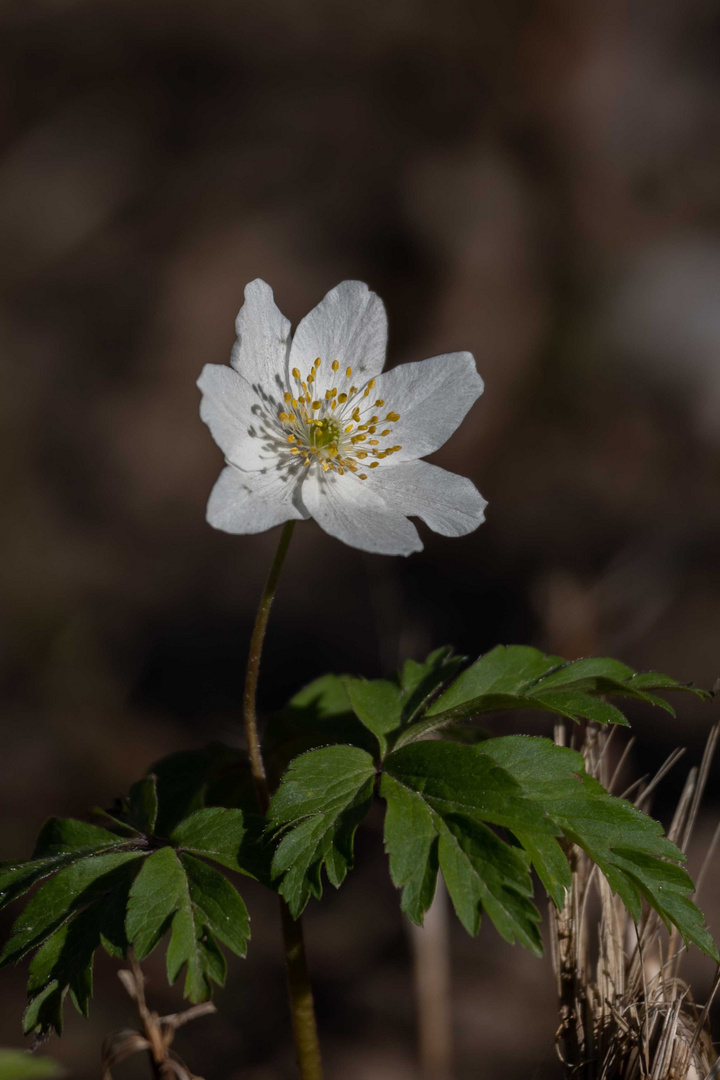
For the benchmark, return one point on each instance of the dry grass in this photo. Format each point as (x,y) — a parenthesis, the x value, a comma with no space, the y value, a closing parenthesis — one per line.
(625,1012)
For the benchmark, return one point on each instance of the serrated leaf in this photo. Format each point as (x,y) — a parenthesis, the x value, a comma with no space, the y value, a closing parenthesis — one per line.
(218,905)
(61,842)
(154,898)
(432,820)
(455,779)
(208,906)
(198,904)
(65,962)
(421,681)
(318,715)
(214,832)
(520,677)
(377,703)
(484,873)
(72,888)
(322,798)
(20,1065)
(628,846)
(183,780)
(144,804)
(411,841)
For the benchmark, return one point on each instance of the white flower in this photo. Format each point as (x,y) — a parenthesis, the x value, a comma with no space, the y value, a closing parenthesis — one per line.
(311,428)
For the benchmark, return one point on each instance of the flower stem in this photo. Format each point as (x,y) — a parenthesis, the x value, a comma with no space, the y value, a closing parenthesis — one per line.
(302,1008)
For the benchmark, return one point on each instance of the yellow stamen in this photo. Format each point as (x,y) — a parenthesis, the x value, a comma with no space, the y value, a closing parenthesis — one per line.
(392,417)
(348,373)
(371,384)
(296,373)
(342,398)
(379,403)
(374,465)
(335,365)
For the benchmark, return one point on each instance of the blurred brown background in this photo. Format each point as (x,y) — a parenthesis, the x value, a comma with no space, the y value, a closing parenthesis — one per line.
(536,182)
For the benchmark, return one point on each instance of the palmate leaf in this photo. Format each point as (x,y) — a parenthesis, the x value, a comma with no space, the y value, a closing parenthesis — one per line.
(520,677)
(316,810)
(128,888)
(441,796)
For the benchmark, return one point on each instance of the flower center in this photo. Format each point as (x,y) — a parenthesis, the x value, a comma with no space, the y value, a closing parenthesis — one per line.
(340,429)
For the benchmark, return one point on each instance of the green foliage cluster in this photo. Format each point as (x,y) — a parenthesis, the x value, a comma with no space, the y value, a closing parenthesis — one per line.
(484,812)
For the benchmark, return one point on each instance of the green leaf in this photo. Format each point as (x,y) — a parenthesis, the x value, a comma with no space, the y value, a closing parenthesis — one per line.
(421,682)
(215,832)
(64,963)
(183,781)
(218,905)
(62,841)
(144,804)
(455,779)
(520,677)
(431,819)
(72,888)
(377,704)
(319,714)
(323,797)
(154,898)
(628,846)
(20,1065)
(411,841)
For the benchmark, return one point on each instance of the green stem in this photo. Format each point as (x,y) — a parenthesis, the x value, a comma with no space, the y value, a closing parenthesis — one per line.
(302,1008)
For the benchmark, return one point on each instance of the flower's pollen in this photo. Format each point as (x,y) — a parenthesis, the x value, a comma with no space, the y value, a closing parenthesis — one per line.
(329,430)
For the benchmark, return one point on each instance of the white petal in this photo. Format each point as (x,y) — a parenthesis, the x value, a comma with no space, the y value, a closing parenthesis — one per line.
(448,503)
(349,326)
(348,509)
(252,502)
(263,339)
(432,398)
(242,419)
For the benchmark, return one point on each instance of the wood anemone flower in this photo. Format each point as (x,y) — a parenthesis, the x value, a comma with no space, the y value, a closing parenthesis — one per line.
(312,428)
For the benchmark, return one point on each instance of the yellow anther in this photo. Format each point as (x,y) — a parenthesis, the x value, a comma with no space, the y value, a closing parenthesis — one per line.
(317,363)
(287,396)
(366,392)
(392,417)
(341,471)
(372,429)
(286,417)
(363,427)
(307,462)
(373,442)
(296,373)
(374,419)
(374,464)
(328,395)
(363,476)
(290,438)
(342,398)
(348,373)
(304,386)
(349,428)
(356,415)
(334,391)
(371,384)
(311,377)
(295,451)
(334,405)
(353,390)
(396,448)
(294,403)
(316,404)
(335,365)
(362,454)
(379,403)
(385,432)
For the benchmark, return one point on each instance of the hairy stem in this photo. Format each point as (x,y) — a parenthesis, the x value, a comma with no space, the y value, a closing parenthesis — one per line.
(302,1008)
